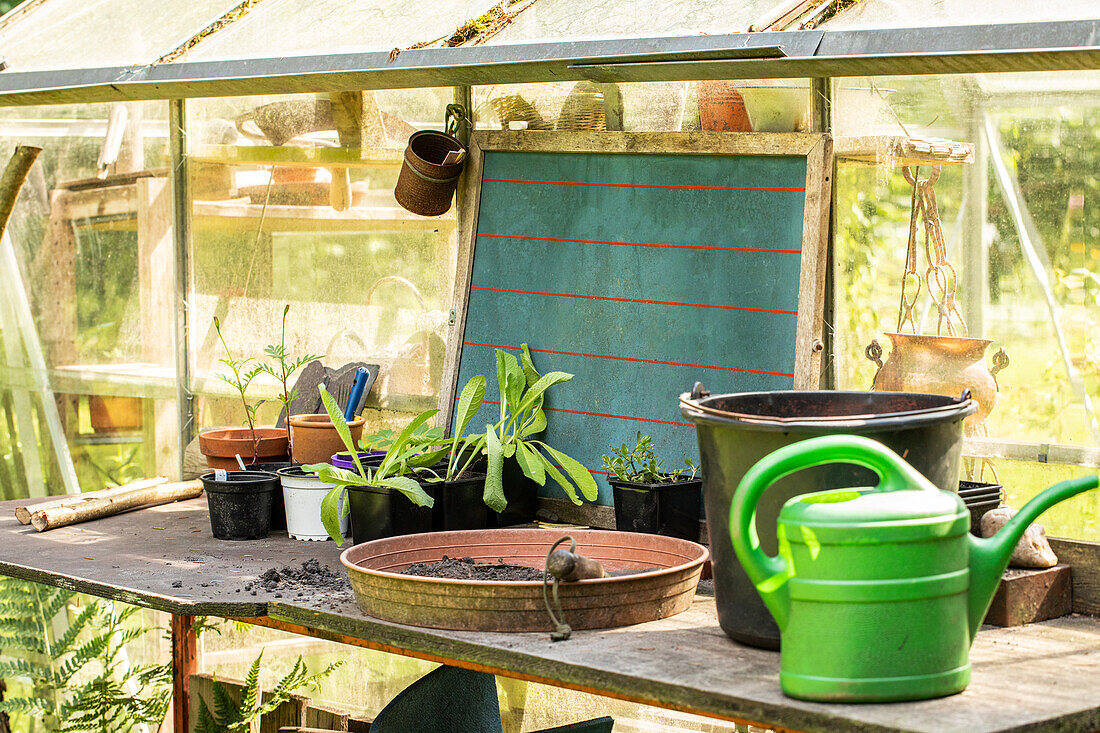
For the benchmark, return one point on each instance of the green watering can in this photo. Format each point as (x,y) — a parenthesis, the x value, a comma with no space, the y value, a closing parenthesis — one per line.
(878,592)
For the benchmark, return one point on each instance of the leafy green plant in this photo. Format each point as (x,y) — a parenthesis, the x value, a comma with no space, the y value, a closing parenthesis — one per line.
(72,659)
(639,464)
(241,375)
(229,716)
(403,458)
(523,391)
(283,366)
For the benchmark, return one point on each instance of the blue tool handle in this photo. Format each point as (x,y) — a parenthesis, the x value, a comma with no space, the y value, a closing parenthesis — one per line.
(357,386)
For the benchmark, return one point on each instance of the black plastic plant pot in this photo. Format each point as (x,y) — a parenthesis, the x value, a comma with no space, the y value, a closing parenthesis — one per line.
(522,495)
(670,508)
(240,503)
(278,509)
(459,503)
(378,512)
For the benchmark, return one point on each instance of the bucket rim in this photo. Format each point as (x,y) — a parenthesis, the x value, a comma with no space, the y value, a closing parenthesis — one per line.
(955,410)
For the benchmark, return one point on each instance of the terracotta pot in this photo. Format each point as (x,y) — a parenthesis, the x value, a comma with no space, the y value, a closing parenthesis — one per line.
(111,414)
(221,446)
(721,107)
(944,365)
(313,438)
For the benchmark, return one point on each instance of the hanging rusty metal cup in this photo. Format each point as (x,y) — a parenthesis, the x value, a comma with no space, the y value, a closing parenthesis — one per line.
(427,181)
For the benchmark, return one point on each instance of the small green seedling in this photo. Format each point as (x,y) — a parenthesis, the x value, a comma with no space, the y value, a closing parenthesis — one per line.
(639,464)
(284,367)
(241,375)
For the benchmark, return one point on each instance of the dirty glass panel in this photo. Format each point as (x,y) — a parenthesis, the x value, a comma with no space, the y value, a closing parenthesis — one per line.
(905,14)
(87,308)
(570,20)
(313,223)
(66,34)
(306,27)
(729,105)
(1020,227)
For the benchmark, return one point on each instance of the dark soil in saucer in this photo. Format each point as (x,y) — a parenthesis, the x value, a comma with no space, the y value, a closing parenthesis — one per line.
(466,568)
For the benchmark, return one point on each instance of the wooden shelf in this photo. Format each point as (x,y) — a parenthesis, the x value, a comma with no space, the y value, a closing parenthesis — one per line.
(289,155)
(898,150)
(229,214)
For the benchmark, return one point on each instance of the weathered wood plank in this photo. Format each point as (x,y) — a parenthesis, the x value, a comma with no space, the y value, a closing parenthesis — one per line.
(811,287)
(686,663)
(1084,558)
(138,557)
(711,143)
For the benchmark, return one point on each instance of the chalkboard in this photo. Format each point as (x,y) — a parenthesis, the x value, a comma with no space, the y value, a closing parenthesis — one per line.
(642,263)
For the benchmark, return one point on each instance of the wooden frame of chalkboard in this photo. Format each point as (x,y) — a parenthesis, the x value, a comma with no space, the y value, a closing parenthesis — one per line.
(752,206)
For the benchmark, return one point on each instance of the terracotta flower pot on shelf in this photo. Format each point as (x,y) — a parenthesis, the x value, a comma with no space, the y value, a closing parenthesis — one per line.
(314,438)
(114,414)
(222,445)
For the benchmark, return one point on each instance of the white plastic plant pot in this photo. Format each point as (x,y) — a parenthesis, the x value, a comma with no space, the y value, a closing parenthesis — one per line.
(303,493)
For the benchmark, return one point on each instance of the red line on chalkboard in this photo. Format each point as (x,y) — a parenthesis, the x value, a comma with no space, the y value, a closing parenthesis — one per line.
(646,185)
(604,414)
(635,300)
(630,358)
(642,244)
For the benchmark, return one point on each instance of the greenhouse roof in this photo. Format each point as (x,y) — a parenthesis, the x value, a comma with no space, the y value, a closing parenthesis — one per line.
(112,50)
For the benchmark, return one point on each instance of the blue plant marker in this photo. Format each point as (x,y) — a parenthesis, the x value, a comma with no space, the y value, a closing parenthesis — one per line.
(361,375)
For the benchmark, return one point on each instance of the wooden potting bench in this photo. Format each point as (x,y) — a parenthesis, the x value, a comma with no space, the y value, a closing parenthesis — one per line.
(1042,677)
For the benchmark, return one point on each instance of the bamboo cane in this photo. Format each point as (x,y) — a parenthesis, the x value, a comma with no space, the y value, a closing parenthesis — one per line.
(23,513)
(105,507)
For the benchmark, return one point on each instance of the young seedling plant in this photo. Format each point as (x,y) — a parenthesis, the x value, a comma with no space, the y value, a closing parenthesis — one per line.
(283,367)
(403,459)
(522,391)
(638,464)
(241,375)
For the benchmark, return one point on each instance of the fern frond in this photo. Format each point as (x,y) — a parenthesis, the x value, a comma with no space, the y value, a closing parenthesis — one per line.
(34,707)
(27,670)
(76,626)
(250,698)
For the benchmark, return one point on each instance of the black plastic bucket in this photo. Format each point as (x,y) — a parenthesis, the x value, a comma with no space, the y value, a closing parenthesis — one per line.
(240,504)
(459,503)
(737,430)
(671,509)
(378,512)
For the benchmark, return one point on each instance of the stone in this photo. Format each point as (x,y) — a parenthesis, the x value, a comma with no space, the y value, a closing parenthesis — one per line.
(1032,551)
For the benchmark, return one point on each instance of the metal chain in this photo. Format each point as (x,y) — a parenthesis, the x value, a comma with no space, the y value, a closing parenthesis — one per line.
(940,276)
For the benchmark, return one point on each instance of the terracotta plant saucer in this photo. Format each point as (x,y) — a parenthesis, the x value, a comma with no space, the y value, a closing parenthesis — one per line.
(664,572)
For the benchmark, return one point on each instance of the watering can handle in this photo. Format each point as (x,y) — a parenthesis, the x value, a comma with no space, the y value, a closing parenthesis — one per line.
(770,574)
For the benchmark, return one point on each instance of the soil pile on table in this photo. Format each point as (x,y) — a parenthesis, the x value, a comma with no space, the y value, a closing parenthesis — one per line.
(466,568)
(300,582)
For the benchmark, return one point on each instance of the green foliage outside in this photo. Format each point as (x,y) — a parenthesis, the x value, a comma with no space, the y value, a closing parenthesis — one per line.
(64,658)
(233,716)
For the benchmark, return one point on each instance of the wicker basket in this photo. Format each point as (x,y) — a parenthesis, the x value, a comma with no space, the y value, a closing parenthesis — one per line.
(425,186)
(514,108)
(583,109)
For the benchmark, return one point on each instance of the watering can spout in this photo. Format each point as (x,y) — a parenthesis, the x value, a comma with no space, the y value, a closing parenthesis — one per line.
(989,557)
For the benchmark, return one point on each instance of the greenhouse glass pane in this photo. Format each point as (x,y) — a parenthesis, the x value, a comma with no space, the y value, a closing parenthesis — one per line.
(307,27)
(908,14)
(575,20)
(66,34)
(315,225)
(1043,310)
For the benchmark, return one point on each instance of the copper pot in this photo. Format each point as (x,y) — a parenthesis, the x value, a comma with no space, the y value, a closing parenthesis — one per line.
(944,365)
